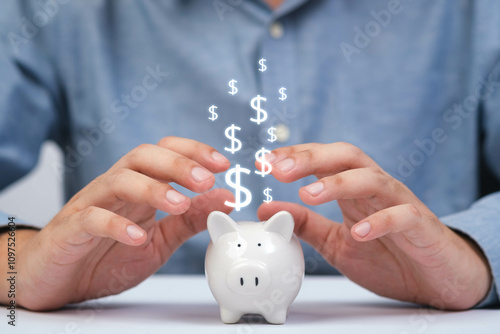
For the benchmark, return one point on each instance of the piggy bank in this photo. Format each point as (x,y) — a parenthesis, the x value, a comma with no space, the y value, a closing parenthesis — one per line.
(253,267)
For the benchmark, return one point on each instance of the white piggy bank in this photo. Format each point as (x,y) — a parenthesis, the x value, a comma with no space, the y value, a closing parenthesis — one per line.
(254,268)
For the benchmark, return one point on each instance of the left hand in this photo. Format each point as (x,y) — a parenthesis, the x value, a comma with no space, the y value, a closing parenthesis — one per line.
(389,242)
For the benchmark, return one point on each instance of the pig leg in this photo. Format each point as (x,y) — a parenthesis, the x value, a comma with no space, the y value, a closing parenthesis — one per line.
(278,317)
(229,316)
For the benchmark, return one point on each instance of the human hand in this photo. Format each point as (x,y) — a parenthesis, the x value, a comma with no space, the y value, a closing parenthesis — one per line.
(389,242)
(106,238)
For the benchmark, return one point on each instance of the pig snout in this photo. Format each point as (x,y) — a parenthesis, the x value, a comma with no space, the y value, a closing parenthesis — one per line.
(249,277)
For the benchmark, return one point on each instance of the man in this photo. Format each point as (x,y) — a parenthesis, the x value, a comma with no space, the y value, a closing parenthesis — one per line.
(391,107)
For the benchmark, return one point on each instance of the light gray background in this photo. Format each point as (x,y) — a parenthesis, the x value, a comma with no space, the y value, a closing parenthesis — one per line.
(37,197)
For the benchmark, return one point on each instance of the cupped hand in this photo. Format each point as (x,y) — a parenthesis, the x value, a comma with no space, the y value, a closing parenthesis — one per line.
(106,239)
(389,241)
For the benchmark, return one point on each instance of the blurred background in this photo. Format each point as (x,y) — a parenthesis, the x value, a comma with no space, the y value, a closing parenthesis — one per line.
(36,198)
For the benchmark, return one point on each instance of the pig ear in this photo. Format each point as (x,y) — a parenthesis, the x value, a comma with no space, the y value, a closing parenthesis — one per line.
(218,224)
(281,223)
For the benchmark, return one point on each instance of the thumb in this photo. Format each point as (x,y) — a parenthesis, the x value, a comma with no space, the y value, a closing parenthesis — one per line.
(178,228)
(313,228)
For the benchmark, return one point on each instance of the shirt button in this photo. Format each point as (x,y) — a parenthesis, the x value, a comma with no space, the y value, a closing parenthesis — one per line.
(276,30)
(282,133)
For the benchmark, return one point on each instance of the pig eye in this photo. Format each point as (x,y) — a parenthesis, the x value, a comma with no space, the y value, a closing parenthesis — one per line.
(239,245)
(259,244)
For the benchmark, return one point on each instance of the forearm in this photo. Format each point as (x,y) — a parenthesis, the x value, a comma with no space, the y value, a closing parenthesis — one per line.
(11,246)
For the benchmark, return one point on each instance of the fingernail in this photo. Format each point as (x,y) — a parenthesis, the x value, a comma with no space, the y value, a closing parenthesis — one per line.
(285,165)
(315,188)
(363,229)
(219,157)
(134,232)
(199,174)
(270,157)
(175,197)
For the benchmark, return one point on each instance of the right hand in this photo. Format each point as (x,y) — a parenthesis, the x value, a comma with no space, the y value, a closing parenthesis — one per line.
(106,238)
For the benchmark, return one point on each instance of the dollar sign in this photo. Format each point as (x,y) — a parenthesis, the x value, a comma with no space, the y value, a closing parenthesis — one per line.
(234,90)
(262,66)
(230,135)
(273,136)
(255,104)
(282,92)
(214,115)
(238,188)
(269,198)
(266,166)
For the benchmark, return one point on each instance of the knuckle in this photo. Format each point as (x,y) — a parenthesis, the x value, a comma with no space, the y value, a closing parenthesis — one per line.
(191,226)
(397,187)
(112,223)
(199,147)
(149,188)
(96,182)
(378,172)
(388,219)
(165,141)
(381,178)
(137,153)
(413,210)
(151,192)
(284,151)
(306,156)
(114,179)
(180,163)
(338,180)
(87,215)
(352,150)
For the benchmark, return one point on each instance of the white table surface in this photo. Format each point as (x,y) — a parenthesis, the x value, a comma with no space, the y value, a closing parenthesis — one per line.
(184,304)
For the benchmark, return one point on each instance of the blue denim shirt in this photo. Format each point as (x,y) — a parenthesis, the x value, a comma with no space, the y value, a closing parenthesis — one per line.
(415,84)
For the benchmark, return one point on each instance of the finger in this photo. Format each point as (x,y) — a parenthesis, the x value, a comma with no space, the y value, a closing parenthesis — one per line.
(125,185)
(313,228)
(357,183)
(283,152)
(79,228)
(319,160)
(166,165)
(177,229)
(404,222)
(202,153)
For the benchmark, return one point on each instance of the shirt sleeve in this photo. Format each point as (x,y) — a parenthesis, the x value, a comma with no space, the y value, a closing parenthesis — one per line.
(29,92)
(482,224)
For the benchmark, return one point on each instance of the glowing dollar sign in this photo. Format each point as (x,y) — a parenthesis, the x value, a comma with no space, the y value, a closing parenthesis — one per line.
(238,188)
(282,92)
(214,115)
(233,90)
(230,135)
(261,113)
(262,66)
(269,198)
(272,134)
(266,166)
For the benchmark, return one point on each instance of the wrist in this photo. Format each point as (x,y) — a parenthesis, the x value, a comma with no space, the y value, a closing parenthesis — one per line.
(13,243)
(474,272)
